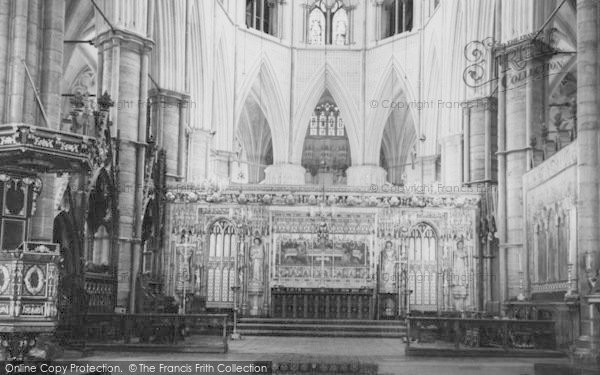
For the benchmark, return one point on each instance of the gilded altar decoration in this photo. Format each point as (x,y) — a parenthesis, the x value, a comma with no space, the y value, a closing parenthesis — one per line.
(302,261)
(399,251)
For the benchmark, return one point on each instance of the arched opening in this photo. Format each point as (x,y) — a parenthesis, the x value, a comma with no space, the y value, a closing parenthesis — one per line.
(542,274)
(99,225)
(326,152)
(221,272)
(254,144)
(15,206)
(563,245)
(100,242)
(149,256)
(422,268)
(72,297)
(397,145)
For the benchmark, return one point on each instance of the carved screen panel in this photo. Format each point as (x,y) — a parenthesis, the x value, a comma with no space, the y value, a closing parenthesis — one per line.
(422,268)
(336,252)
(221,264)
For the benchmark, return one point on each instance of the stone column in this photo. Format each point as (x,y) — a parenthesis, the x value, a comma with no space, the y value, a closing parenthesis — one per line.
(169,128)
(125,76)
(480,140)
(52,60)
(480,146)
(199,155)
(32,36)
(452,164)
(428,169)
(587,346)
(522,72)
(501,216)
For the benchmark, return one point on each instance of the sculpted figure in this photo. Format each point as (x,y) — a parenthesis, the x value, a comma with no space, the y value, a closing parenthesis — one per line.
(256,259)
(388,268)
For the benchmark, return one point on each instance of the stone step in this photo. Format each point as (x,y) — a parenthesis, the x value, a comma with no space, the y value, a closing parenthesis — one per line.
(318,327)
(322,327)
(319,333)
(324,321)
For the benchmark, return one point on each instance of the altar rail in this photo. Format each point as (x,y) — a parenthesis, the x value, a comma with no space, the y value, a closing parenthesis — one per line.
(153,330)
(322,303)
(456,334)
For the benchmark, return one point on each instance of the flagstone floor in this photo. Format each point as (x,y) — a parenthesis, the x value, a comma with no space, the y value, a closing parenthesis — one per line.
(388,354)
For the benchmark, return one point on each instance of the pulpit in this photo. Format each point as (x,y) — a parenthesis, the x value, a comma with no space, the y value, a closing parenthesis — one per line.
(28,290)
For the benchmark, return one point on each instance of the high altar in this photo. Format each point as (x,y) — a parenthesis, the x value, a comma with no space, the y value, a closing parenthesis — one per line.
(338,254)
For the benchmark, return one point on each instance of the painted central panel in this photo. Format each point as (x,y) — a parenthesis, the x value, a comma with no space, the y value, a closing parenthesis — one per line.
(323,251)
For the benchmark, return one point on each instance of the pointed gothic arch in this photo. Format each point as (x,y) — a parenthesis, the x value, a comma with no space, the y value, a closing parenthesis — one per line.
(393,96)
(100,223)
(222,251)
(261,93)
(423,269)
(397,143)
(326,78)
(326,151)
(255,149)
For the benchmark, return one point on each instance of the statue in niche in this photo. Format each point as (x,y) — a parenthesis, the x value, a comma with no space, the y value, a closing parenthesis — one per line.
(256,259)
(461,258)
(388,268)
(460,279)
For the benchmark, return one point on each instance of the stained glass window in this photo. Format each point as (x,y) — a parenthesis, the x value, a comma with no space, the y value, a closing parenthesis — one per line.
(331,125)
(328,25)
(340,127)
(326,121)
(313,125)
(322,128)
(326,155)
(340,27)
(317,27)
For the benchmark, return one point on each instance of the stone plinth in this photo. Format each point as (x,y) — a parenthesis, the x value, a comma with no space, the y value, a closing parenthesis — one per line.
(169,128)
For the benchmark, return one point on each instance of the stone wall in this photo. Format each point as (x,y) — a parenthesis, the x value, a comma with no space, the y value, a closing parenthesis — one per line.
(550,247)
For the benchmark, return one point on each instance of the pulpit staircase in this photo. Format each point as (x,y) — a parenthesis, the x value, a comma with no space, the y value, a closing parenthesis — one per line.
(321,327)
